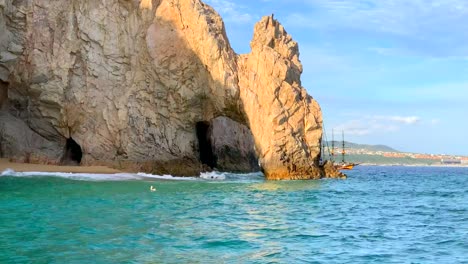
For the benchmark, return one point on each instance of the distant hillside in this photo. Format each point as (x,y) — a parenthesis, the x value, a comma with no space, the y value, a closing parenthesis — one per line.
(350,145)
(372,155)
(381,160)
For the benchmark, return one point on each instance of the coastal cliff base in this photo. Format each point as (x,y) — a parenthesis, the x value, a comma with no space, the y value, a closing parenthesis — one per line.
(152,86)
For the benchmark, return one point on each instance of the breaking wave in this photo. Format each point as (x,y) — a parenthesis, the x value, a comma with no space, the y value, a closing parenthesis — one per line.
(205,176)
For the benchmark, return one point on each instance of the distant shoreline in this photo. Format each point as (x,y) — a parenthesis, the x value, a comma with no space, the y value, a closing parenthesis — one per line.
(28,167)
(417,165)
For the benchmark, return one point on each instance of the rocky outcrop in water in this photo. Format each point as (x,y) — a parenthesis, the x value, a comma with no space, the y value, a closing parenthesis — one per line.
(139,85)
(286,121)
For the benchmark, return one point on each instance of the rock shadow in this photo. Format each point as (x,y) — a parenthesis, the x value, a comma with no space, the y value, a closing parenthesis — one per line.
(72,153)
(205,146)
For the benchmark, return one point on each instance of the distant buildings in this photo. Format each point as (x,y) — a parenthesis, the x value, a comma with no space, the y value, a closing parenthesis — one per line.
(424,158)
(450,161)
(394,155)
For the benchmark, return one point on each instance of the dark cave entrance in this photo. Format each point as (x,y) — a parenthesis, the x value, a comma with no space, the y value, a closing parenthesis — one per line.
(3,94)
(205,147)
(73,153)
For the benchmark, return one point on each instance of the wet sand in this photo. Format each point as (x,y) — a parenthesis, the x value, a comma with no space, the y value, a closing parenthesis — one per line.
(21,167)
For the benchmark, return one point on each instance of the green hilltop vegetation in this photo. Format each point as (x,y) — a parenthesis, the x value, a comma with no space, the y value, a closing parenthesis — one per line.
(381,160)
(368,154)
(351,145)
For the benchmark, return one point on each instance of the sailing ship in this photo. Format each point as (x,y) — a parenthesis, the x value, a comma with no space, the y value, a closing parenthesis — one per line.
(343,165)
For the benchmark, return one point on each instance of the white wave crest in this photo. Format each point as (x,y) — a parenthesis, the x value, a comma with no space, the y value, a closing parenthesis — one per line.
(164,177)
(213,175)
(7,172)
(92,176)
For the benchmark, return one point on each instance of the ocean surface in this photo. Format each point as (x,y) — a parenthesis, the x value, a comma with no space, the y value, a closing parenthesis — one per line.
(377,215)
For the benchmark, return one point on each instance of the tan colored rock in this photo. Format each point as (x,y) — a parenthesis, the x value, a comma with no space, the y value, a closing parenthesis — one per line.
(129,80)
(330,171)
(286,122)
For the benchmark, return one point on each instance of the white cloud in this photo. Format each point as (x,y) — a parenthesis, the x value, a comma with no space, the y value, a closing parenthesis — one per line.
(355,127)
(376,124)
(409,120)
(230,11)
(399,16)
(424,27)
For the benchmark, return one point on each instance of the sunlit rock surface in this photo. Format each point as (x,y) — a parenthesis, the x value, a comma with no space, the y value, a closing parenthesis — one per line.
(128,81)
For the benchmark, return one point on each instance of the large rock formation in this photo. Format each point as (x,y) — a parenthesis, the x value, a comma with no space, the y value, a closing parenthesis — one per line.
(135,84)
(286,121)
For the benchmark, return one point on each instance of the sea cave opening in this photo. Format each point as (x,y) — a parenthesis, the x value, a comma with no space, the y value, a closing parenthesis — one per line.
(3,94)
(205,147)
(72,154)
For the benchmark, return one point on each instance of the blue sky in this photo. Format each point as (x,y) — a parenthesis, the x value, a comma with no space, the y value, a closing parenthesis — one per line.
(391,72)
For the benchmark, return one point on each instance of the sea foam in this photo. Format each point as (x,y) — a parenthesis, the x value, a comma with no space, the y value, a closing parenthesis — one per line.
(92,176)
(213,175)
(204,176)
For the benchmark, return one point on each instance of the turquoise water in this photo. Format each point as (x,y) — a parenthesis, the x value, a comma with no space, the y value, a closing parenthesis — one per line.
(378,215)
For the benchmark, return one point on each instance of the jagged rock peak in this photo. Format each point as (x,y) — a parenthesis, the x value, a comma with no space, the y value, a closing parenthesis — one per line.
(270,33)
(140,85)
(285,121)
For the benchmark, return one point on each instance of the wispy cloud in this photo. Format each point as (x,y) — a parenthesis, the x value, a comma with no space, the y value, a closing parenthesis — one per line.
(397,16)
(408,120)
(230,11)
(377,124)
(424,27)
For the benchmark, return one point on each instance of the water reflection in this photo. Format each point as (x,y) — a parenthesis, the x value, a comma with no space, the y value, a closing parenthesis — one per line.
(289,186)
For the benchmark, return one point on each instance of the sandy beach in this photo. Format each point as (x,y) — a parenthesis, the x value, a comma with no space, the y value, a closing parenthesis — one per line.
(22,167)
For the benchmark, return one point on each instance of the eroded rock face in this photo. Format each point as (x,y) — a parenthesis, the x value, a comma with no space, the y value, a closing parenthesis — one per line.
(233,146)
(331,172)
(285,121)
(129,81)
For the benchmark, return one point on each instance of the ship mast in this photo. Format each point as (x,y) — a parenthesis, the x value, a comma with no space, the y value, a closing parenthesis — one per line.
(333,146)
(343,150)
(325,147)
(322,149)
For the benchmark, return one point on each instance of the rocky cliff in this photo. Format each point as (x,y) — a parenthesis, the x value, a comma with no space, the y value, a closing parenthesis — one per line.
(150,85)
